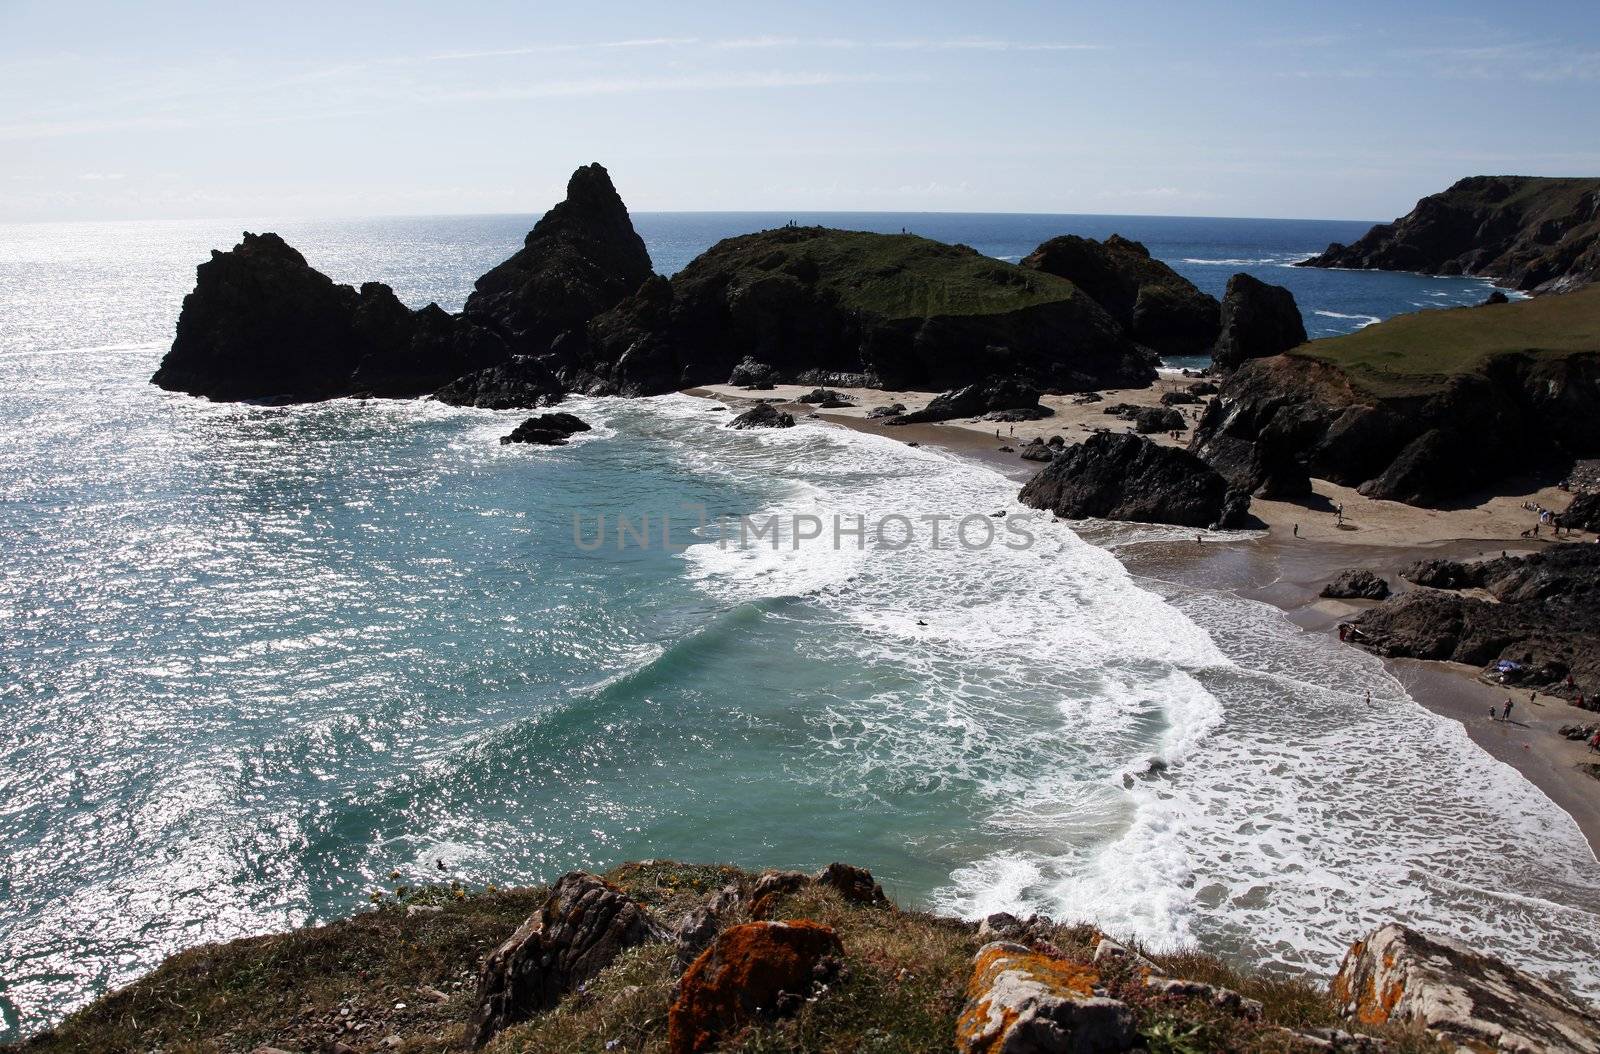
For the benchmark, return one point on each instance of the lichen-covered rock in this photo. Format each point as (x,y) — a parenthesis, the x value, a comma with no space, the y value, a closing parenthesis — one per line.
(763,415)
(1124,477)
(583,925)
(754,970)
(1258,320)
(1397,975)
(1107,951)
(1356,584)
(1020,1001)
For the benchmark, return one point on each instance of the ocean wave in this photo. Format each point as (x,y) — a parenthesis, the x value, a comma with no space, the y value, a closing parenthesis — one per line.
(1365,320)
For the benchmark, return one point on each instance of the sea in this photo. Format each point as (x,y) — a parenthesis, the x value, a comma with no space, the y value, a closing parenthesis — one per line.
(256,660)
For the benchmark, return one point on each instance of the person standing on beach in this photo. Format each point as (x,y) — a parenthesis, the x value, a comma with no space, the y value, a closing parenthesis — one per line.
(1297,530)
(1507,716)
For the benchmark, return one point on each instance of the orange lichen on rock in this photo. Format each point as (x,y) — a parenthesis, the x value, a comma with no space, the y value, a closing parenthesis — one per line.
(747,972)
(1018,999)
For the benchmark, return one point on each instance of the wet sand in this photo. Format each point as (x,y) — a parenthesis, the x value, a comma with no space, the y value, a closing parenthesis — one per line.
(1278,568)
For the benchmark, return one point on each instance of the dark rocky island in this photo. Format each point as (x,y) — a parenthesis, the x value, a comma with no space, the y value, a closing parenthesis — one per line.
(1533,233)
(896,311)
(262,324)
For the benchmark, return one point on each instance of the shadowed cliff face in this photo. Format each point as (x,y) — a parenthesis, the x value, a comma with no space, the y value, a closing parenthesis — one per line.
(1155,305)
(1532,233)
(1280,421)
(581,259)
(905,311)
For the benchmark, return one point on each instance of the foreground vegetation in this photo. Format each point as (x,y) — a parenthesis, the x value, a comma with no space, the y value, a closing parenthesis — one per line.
(1414,353)
(402,978)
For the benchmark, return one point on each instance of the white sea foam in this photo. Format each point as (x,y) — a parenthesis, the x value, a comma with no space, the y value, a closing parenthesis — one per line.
(1286,816)
(1365,320)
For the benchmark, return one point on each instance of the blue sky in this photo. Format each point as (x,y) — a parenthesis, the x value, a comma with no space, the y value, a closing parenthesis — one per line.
(1349,110)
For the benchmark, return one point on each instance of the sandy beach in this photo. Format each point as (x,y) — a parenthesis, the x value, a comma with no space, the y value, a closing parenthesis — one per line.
(1278,568)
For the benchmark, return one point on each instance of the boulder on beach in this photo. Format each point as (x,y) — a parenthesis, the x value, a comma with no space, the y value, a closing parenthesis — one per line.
(976,400)
(763,415)
(748,373)
(1125,477)
(1356,584)
(1154,419)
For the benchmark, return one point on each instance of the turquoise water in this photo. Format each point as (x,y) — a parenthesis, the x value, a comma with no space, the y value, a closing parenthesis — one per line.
(253,659)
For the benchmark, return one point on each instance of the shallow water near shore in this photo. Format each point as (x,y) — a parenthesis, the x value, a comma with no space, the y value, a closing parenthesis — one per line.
(254,659)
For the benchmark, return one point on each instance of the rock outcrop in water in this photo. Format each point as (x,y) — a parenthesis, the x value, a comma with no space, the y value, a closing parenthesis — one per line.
(1125,477)
(897,311)
(1155,305)
(1540,627)
(763,415)
(262,324)
(1530,232)
(581,259)
(1258,320)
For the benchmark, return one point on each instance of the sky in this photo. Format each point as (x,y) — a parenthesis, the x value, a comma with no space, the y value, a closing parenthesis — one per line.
(1285,109)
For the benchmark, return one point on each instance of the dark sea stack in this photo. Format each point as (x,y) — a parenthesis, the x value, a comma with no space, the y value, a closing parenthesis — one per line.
(581,259)
(262,324)
(993,396)
(1258,320)
(1533,233)
(521,383)
(763,415)
(1124,477)
(821,306)
(1154,304)
(1356,584)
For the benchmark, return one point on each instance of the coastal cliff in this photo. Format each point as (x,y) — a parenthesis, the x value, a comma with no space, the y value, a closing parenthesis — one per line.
(1532,233)
(1424,408)
(666,957)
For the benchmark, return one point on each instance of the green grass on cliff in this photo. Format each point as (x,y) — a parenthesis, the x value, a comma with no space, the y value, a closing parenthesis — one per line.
(1411,354)
(404,982)
(891,275)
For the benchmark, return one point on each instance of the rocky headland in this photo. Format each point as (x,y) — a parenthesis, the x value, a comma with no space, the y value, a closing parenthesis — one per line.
(684,959)
(1533,233)
(1426,408)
